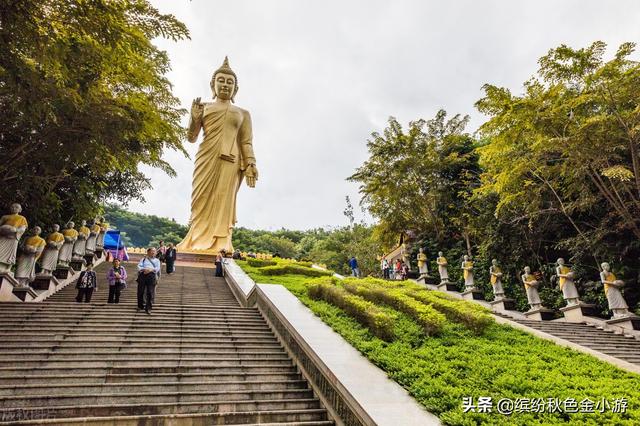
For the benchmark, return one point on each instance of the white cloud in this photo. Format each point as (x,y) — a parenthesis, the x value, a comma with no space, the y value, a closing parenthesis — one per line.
(319,77)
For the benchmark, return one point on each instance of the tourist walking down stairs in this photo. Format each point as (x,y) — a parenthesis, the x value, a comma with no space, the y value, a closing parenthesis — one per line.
(117,279)
(148,273)
(86,283)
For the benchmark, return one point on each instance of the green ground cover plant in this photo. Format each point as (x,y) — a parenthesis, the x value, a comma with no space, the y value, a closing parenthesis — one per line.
(502,362)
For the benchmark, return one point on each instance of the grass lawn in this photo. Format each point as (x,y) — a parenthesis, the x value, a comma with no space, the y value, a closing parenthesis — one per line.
(457,362)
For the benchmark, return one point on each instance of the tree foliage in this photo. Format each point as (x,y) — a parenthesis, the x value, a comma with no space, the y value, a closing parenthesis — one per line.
(84,102)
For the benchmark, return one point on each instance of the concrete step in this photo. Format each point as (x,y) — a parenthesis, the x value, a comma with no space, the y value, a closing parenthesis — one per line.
(80,398)
(128,348)
(142,369)
(144,354)
(93,378)
(151,362)
(124,388)
(108,410)
(264,418)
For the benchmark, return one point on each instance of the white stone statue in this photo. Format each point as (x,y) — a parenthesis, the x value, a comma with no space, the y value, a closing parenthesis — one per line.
(495,273)
(422,263)
(70,237)
(467,268)
(612,289)
(79,248)
(566,284)
(442,268)
(31,251)
(531,285)
(12,226)
(94,231)
(49,260)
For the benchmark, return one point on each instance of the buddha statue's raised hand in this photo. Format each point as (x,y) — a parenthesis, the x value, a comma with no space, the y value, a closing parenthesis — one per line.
(197,108)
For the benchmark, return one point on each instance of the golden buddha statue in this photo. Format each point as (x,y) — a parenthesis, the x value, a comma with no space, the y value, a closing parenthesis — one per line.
(79,247)
(224,158)
(442,268)
(12,226)
(422,263)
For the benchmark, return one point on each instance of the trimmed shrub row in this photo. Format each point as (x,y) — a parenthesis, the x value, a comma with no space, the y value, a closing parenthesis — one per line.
(474,317)
(366,313)
(429,319)
(260,263)
(292,268)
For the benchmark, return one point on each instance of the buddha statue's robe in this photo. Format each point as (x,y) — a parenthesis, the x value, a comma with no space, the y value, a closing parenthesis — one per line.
(12,227)
(496,281)
(90,246)
(442,268)
(70,237)
(49,259)
(227,132)
(26,265)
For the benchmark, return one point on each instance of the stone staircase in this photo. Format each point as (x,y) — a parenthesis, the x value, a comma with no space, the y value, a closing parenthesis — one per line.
(199,359)
(607,342)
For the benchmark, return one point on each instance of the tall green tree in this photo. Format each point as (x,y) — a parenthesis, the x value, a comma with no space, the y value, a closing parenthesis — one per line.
(564,155)
(84,102)
(421,178)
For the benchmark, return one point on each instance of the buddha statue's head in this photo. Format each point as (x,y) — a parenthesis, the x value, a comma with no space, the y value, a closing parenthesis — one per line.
(440,253)
(55,227)
(605,267)
(224,83)
(421,250)
(465,257)
(560,261)
(15,208)
(83,223)
(37,230)
(494,262)
(70,225)
(527,270)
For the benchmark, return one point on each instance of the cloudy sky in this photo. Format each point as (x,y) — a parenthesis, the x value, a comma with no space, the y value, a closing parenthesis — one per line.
(318,77)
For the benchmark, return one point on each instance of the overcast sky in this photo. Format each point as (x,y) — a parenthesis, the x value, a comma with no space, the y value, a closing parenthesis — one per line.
(318,77)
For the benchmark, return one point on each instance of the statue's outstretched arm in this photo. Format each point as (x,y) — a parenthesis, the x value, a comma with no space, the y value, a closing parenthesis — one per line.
(195,120)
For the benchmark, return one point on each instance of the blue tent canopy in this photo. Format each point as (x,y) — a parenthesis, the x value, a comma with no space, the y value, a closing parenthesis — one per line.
(112,240)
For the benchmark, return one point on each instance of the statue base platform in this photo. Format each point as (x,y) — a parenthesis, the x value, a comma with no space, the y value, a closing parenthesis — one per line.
(632,322)
(578,313)
(472,294)
(540,314)
(76,264)
(98,253)
(26,294)
(89,258)
(45,282)
(62,273)
(427,279)
(7,284)
(504,304)
(447,286)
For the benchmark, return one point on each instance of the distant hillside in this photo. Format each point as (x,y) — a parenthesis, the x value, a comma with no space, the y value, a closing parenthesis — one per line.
(142,230)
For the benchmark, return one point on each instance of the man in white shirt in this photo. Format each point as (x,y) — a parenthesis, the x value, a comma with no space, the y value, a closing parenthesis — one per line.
(148,272)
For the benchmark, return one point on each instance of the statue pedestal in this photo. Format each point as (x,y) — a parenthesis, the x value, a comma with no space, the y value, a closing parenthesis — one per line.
(98,253)
(578,313)
(504,304)
(89,258)
(472,294)
(26,294)
(540,314)
(632,322)
(447,286)
(45,282)
(7,284)
(62,273)
(76,264)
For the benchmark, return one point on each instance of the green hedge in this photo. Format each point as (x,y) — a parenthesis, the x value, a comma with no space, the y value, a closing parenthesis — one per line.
(292,268)
(471,315)
(260,263)
(377,320)
(429,319)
